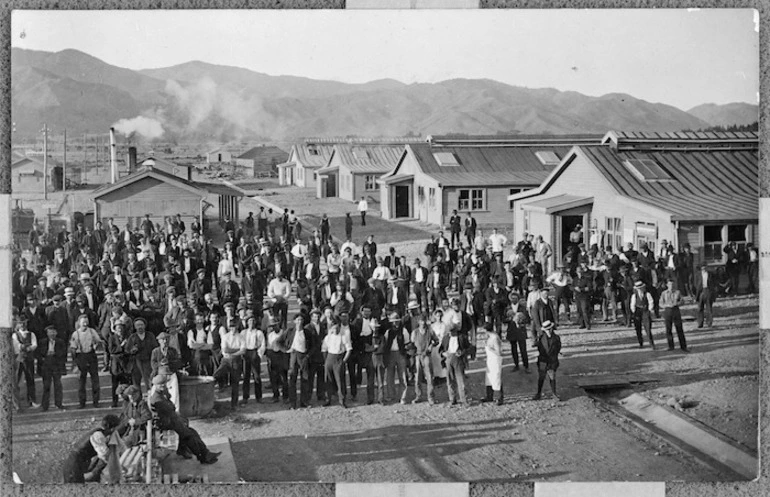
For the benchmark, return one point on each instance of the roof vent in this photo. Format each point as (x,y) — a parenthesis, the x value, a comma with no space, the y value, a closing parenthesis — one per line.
(446,159)
(548,158)
(647,170)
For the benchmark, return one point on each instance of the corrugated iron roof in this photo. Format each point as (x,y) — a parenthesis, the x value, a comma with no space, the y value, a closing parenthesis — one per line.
(487,165)
(524,140)
(265,153)
(143,173)
(359,158)
(311,160)
(716,184)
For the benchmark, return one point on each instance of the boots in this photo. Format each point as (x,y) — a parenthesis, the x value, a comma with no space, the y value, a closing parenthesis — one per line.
(488,397)
(209,458)
(96,472)
(500,396)
(539,393)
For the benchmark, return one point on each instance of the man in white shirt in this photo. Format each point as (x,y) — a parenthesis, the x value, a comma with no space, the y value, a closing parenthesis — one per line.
(480,243)
(83,343)
(337,348)
(298,341)
(233,348)
(279,290)
(254,341)
(497,241)
(396,339)
(277,361)
(363,206)
(298,253)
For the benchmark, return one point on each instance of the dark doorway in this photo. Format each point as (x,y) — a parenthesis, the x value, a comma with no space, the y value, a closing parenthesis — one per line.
(568,224)
(402,201)
(331,185)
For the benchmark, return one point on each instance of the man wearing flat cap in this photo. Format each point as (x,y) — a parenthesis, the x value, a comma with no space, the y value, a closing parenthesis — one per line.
(166,360)
(134,415)
(140,345)
(190,443)
(53,353)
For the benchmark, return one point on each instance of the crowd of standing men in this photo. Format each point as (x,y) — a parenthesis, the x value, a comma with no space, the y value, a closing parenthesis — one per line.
(162,300)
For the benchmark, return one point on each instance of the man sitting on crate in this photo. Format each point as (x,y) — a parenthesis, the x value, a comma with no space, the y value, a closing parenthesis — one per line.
(166,418)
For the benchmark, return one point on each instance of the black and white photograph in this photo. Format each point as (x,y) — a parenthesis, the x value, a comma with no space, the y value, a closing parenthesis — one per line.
(389,246)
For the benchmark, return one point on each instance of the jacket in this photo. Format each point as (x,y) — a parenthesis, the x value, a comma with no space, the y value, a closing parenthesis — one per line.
(57,362)
(548,350)
(463,344)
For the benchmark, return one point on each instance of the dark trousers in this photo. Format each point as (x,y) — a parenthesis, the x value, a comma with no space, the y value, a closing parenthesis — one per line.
(561,297)
(230,368)
(52,374)
(277,367)
(455,367)
(188,437)
(27,369)
(201,363)
(705,308)
(421,294)
(363,218)
(299,263)
(324,236)
(317,376)
(583,314)
(469,236)
(117,380)
(299,366)
(88,364)
(353,375)
(378,362)
(753,274)
(252,367)
(454,236)
(334,368)
(281,310)
(672,316)
(363,362)
(545,370)
(642,317)
(520,346)
(142,374)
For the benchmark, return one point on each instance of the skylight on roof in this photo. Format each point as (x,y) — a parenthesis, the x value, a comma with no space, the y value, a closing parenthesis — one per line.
(548,158)
(647,170)
(360,153)
(446,159)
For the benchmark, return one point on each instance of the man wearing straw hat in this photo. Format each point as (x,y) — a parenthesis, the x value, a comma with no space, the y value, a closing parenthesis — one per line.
(548,347)
(642,306)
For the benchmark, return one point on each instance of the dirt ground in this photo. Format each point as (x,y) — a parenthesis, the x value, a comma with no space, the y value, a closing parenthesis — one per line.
(576,439)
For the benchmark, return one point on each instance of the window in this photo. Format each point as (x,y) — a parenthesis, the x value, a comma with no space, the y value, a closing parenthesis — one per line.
(514,191)
(647,170)
(547,158)
(471,199)
(370,182)
(420,194)
(712,243)
(446,159)
(312,150)
(431,197)
(526,221)
(614,233)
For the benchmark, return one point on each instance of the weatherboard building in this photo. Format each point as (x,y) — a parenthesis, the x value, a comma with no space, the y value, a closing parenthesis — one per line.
(697,188)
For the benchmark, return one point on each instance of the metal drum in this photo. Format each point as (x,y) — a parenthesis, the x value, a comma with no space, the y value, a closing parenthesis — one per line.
(196,395)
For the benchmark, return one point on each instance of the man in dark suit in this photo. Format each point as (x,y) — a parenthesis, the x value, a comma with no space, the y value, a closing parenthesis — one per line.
(228,290)
(583,288)
(419,284)
(455,227)
(470,229)
(52,352)
(23,284)
(548,347)
(705,285)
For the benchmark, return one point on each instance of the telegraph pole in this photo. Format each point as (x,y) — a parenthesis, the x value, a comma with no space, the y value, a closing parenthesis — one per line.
(64,165)
(45,161)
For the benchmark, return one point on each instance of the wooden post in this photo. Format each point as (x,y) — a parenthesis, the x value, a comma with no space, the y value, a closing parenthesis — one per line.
(148,469)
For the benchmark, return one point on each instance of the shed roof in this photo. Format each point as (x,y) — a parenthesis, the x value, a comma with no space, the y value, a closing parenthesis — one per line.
(265,153)
(714,184)
(514,140)
(365,159)
(163,162)
(487,165)
(313,155)
(558,203)
(151,172)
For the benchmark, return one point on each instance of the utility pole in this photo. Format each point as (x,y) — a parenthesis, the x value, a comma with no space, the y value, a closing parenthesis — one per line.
(45,161)
(64,165)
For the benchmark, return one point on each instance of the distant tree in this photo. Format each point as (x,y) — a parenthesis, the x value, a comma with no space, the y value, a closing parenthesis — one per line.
(733,128)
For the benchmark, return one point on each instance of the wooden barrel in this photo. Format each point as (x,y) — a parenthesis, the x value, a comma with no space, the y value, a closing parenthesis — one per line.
(196,395)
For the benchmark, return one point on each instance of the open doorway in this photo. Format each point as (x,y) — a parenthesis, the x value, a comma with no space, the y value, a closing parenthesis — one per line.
(568,224)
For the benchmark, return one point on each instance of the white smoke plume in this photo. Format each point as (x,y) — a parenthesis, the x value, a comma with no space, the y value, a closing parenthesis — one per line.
(198,100)
(145,126)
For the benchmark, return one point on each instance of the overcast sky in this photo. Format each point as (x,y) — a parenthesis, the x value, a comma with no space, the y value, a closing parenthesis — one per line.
(679,57)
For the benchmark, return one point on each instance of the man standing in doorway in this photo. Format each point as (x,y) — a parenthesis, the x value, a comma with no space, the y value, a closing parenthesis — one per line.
(363,206)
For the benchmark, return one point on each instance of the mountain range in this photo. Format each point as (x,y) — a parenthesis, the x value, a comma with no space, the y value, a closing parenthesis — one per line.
(206,102)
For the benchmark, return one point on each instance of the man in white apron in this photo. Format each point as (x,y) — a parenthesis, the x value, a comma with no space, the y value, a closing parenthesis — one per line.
(494,374)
